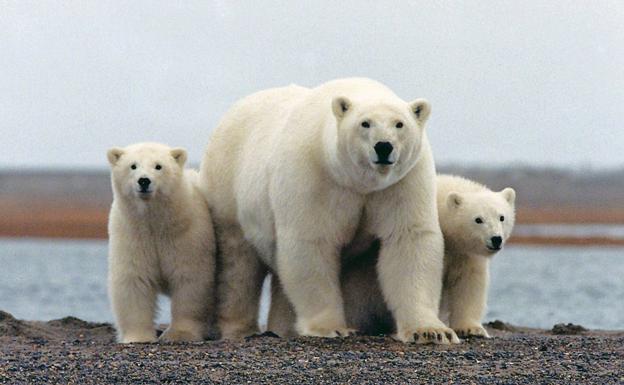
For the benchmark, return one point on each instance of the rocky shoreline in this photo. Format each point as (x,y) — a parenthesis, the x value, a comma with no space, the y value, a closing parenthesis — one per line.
(70,350)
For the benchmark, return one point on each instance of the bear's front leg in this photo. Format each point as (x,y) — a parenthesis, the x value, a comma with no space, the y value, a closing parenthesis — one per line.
(133,300)
(309,273)
(467,296)
(410,275)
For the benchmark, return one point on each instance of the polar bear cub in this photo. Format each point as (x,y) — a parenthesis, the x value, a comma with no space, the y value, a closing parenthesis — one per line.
(475,222)
(161,241)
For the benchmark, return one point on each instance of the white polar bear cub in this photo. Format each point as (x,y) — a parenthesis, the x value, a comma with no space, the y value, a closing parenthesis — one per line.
(291,174)
(476,222)
(161,241)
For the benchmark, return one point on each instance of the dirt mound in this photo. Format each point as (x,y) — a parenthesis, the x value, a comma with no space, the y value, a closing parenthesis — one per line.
(563,329)
(64,329)
(500,325)
(9,326)
(76,323)
(12,327)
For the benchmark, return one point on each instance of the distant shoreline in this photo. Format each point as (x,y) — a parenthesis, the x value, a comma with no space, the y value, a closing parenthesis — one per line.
(88,221)
(68,203)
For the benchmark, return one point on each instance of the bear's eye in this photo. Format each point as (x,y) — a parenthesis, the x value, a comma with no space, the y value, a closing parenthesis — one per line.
(133,167)
(365,124)
(479,220)
(158,167)
(399,125)
(502,218)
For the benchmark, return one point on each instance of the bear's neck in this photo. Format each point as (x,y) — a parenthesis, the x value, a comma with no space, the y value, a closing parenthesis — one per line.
(332,158)
(334,163)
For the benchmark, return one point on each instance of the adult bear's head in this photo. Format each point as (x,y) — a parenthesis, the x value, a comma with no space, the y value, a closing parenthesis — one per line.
(381,137)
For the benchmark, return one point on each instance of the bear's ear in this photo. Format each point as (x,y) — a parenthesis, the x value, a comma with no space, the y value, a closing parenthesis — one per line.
(454,200)
(421,109)
(340,106)
(510,195)
(114,154)
(179,154)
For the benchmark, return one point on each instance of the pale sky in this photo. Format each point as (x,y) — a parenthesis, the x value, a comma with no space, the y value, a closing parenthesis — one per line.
(535,82)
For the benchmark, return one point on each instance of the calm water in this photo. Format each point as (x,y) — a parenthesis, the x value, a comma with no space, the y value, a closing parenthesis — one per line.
(531,286)
(613,231)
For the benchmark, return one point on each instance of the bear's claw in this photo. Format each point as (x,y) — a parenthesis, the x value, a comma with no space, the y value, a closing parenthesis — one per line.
(328,333)
(346,332)
(439,335)
(472,331)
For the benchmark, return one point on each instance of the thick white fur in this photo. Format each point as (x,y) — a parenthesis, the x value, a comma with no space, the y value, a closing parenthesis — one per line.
(466,272)
(290,177)
(160,242)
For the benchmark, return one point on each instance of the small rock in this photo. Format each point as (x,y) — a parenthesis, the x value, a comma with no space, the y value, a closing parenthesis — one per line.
(260,335)
(567,329)
(500,325)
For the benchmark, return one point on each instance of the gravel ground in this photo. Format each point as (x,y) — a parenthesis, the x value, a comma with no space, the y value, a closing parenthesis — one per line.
(73,351)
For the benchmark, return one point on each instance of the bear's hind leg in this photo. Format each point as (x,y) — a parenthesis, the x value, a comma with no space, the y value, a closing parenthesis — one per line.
(191,306)
(281,313)
(239,284)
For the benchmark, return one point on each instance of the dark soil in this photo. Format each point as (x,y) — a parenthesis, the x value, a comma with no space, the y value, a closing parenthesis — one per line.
(568,329)
(73,351)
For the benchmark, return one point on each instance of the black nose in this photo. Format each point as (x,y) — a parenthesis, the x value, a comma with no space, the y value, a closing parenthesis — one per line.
(383,150)
(496,241)
(144,183)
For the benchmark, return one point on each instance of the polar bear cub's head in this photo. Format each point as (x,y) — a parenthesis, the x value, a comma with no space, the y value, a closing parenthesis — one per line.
(382,137)
(479,223)
(146,171)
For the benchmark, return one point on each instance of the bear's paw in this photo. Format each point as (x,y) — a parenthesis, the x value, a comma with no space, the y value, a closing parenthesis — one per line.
(472,330)
(178,335)
(327,332)
(144,337)
(428,335)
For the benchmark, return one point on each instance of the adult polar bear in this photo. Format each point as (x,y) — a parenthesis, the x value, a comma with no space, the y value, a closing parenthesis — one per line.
(291,174)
